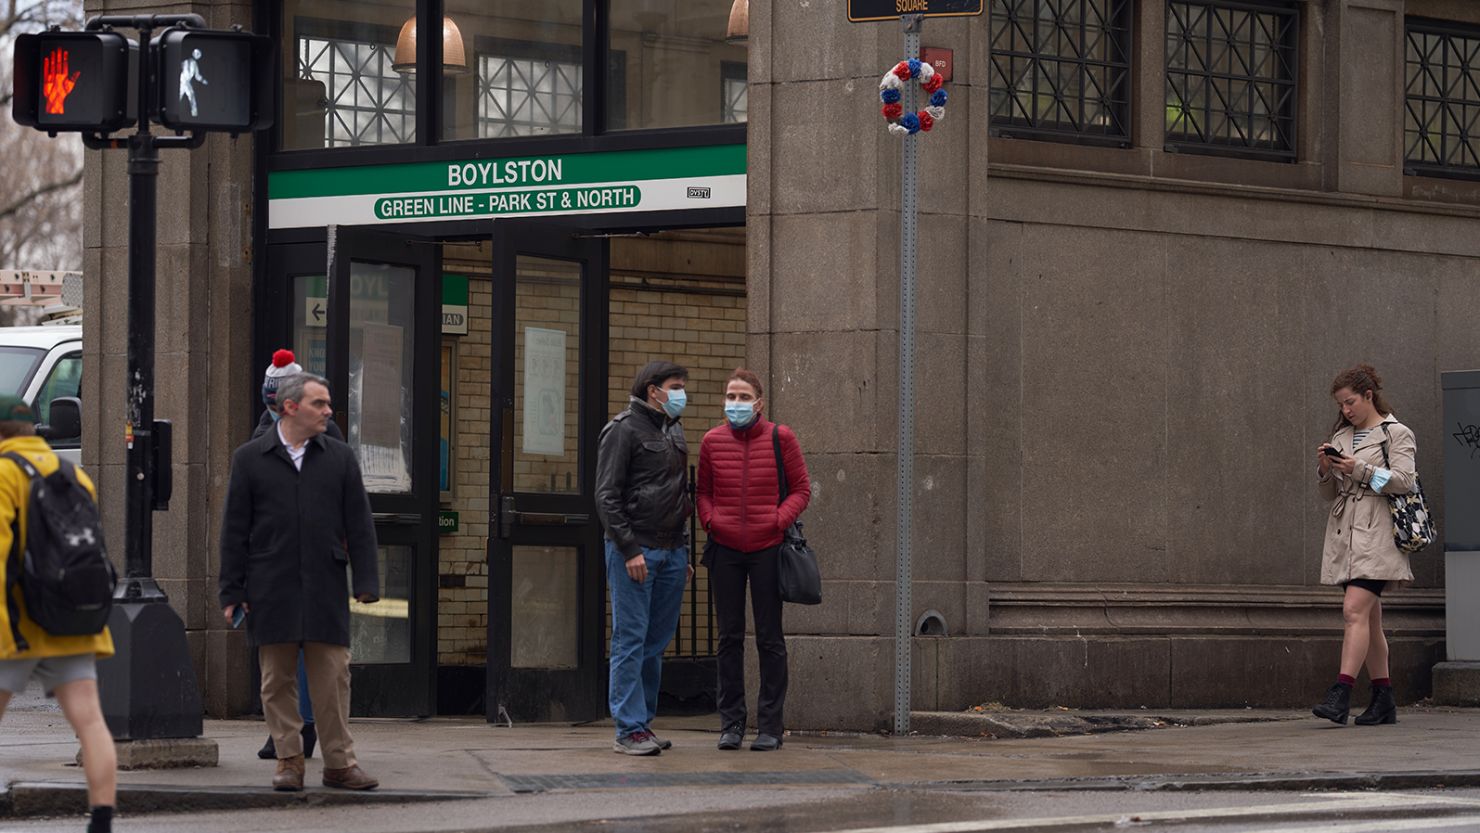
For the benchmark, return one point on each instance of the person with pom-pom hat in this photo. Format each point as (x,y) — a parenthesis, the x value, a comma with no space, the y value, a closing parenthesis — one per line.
(285,365)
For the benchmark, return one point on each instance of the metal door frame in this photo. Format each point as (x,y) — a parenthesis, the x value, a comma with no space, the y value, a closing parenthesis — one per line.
(542,694)
(403,689)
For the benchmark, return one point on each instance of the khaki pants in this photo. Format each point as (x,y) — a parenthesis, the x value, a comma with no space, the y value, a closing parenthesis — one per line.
(328,685)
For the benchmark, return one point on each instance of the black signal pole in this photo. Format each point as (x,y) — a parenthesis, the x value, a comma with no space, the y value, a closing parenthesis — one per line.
(148,689)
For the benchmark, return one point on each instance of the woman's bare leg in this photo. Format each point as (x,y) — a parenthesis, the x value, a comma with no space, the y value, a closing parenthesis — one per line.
(1356,611)
(1377,646)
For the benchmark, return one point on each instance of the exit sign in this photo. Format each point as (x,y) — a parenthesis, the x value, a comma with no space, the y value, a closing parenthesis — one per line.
(860,11)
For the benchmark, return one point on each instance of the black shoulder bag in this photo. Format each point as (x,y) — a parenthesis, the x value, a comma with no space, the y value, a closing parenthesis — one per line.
(800,582)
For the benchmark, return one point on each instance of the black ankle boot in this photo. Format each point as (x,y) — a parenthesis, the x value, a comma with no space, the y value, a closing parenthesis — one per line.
(310,737)
(1337,705)
(268,750)
(1382,709)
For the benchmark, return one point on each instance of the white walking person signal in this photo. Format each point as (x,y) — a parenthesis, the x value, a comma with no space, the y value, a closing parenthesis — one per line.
(190,73)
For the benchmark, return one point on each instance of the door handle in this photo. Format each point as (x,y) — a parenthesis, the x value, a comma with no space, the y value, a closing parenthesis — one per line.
(506,515)
(509,514)
(396,517)
(551,519)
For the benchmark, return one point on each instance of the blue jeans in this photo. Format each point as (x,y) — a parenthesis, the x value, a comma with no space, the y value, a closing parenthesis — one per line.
(644,619)
(305,705)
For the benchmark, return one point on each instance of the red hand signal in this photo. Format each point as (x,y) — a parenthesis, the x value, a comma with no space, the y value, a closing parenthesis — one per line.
(56,86)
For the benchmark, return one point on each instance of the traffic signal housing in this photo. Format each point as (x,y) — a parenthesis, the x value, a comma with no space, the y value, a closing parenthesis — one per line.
(73,81)
(213,80)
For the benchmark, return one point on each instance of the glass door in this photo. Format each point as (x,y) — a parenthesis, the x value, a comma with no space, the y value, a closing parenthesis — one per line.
(546,575)
(383,309)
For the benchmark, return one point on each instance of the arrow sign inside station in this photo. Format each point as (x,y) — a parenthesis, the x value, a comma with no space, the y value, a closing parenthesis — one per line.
(314,312)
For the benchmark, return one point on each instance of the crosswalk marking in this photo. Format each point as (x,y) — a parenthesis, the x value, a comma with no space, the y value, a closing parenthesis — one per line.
(1381,825)
(1346,802)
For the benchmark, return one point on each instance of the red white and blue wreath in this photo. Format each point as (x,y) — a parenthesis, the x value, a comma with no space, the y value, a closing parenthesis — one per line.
(908,124)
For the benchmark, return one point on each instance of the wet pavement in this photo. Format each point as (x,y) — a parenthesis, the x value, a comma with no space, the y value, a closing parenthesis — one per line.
(472,776)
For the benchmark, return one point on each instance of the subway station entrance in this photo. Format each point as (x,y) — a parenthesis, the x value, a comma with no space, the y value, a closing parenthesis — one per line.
(473,365)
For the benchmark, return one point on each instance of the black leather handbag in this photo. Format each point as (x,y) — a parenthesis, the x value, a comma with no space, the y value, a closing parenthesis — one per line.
(800,582)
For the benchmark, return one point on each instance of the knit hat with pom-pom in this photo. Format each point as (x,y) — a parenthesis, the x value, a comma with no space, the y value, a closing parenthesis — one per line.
(283,365)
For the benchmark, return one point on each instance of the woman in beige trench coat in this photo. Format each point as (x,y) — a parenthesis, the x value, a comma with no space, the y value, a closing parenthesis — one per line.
(1370,456)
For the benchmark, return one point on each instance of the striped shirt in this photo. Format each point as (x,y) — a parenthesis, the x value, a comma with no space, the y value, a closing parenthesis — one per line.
(1380,476)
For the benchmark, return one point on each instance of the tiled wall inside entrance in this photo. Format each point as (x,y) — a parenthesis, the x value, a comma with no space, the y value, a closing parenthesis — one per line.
(676,295)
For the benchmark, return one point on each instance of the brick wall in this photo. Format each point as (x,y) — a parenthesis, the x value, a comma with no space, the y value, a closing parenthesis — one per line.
(697,323)
(703,329)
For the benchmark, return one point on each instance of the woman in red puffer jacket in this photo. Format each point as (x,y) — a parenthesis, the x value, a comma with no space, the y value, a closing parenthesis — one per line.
(741,508)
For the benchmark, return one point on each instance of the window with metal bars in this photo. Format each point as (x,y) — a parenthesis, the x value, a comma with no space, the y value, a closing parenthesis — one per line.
(734,93)
(365,102)
(1232,77)
(1442,127)
(1061,69)
(528,96)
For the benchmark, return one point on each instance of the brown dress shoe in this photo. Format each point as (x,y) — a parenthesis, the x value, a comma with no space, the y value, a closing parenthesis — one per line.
(289,776)
(349,778)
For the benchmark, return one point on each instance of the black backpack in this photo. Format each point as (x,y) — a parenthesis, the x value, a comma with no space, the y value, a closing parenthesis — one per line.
(63,571)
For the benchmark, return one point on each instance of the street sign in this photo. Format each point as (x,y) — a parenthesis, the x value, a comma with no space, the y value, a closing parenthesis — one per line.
(860,11)
(214,80)
(72,81)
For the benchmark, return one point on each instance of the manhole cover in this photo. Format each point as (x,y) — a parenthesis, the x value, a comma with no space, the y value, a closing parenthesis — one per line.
(610,780)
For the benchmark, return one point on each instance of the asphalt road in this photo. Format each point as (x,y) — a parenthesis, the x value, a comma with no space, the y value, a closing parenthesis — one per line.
(851,810)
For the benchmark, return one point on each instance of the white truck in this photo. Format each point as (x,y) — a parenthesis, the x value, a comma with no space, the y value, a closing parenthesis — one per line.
(43,365)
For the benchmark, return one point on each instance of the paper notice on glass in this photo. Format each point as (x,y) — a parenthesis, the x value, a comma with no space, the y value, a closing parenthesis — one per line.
(383,395)
(380,408)
(544,391)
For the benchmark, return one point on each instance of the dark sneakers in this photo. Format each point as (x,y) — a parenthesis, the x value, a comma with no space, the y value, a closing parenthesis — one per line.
(731,737)
(637,743)
(1337,704)
(765,743)
(310,740)
(1381,710)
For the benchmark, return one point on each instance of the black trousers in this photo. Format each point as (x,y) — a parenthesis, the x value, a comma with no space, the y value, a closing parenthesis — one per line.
(728,574)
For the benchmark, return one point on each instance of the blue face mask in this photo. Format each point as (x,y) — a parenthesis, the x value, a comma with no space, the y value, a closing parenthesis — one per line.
(275,416)
(740,414)
(677,399)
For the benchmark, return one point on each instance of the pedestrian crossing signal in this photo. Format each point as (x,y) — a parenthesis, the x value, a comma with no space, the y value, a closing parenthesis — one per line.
(213,80)
(69,81)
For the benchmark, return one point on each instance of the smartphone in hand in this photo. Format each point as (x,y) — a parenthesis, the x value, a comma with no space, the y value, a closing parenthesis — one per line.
(238,616)
(1331,452)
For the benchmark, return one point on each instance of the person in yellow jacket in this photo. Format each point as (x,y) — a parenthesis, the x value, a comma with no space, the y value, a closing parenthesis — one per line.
(66,666)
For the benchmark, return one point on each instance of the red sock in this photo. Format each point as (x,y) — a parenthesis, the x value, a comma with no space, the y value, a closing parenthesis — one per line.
(1382,682)
(1346,680)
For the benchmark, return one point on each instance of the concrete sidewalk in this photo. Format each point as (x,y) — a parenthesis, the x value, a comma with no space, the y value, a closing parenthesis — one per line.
(447,759)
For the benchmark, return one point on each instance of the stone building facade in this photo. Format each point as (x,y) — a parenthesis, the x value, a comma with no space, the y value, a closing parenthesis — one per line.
(1130,314)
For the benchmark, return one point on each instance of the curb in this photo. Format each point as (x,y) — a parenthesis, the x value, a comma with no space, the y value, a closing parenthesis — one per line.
(1252,782)
(27,799)
(1002,725)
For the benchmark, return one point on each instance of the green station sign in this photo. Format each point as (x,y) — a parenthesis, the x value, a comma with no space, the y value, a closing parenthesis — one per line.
(581,183)
(447,522)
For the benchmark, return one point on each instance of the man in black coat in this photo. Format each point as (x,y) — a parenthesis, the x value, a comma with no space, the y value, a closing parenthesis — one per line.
(285,366)
(296,516)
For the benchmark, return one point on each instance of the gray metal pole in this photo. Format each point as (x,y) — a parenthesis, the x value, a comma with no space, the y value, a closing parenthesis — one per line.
(908,189)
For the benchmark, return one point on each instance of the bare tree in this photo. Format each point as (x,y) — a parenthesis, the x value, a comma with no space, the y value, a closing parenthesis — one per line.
(40,193)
